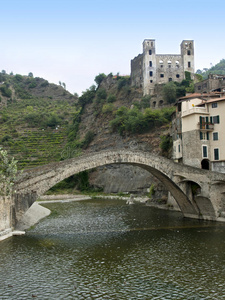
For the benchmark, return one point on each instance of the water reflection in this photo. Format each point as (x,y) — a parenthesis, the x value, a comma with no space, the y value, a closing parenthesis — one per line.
(110,250)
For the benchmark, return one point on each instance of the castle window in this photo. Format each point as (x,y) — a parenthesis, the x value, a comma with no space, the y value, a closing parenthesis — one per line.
(170,79)
(178,76)
(150,64)
(161,75)
(216,154)
(161,103)
(150,52)
(189,52)
(151,81)
(150,73)
(189,64)
(161,66)
(154,103)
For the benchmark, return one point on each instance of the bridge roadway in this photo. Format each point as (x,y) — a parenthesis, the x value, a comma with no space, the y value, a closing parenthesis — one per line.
(179,179)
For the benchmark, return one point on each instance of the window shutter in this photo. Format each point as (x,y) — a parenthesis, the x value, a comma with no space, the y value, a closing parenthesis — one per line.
(201,136)
(207,135)
(218,119)
(211,120)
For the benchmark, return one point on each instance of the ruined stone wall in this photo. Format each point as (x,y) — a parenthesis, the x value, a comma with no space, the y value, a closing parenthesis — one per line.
(137,71)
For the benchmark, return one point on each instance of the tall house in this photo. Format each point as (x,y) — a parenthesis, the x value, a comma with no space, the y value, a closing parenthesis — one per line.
(149,68)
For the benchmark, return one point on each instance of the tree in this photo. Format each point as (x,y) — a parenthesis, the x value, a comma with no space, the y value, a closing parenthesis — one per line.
(64,85)
(99,78)
(8,172)
(169,92)
(60,83)
(30,74)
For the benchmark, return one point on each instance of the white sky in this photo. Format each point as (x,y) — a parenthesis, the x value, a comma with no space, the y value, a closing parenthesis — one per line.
(72,41)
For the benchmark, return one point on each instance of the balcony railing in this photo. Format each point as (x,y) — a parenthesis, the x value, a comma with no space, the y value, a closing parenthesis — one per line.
(194,110)
(206,126)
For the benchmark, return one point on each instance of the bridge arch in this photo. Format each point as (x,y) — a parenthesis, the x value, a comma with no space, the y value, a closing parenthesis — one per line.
(41,179)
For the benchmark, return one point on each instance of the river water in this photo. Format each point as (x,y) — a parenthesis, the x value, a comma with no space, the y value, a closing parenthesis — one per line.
(105,249)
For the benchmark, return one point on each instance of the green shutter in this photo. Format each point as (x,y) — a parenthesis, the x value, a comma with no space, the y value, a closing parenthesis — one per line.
(207,122)
(207,133)
(218,119)
(211,120)
(201,136)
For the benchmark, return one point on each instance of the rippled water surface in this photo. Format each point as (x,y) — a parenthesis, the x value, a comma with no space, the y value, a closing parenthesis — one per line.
(104,249)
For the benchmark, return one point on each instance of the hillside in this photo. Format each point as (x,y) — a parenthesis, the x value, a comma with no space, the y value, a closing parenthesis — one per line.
(219,68)
(42,122)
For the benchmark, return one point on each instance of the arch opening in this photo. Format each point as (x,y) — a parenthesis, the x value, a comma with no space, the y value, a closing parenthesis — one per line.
(205,164)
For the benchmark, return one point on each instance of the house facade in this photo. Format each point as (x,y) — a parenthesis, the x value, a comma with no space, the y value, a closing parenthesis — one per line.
(149,68)
(213,83)
(197,131)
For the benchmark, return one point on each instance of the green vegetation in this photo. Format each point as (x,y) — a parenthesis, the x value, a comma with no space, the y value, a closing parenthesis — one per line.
(99,78)
(219,68)
(135,121)
(8,172)
(166,145)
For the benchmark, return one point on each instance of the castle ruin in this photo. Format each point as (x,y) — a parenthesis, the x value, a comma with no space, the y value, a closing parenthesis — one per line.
(149,68)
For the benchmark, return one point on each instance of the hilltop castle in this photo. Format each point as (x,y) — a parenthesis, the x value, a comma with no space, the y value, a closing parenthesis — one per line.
(149,68)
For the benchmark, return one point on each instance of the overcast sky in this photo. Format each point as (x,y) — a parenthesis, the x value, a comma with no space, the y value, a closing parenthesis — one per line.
(72,41)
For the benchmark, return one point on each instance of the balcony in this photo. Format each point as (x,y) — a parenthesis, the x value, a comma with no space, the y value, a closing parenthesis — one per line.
(206,126)
(195,110)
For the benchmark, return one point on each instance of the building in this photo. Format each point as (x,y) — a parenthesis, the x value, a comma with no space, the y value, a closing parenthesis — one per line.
(197,131)
(215,82)
(149,68)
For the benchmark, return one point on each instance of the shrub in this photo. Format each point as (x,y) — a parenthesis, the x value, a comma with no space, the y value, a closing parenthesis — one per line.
(145,101)
(101,94)
(166,144)
(5,91)
(107,108)
(89,136)
(111,98)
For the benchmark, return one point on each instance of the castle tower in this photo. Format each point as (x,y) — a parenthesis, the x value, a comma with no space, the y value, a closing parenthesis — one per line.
(187,55)
(149,66)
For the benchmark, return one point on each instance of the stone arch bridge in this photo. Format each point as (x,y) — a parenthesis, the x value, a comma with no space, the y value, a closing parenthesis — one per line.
(207,202)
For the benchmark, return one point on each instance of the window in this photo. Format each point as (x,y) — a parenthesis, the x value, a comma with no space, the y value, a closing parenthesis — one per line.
(204,136)
(151,81)
(150,73)
(150,52)
(189,64)
(154,103)
(170,79)
(189,52)
(199,87)
(204,151)
(152,44)
(150,64)
(215,119)
(178,76)
(161,75)
(216,154)
(214,105)
(215,136)
(178,148)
